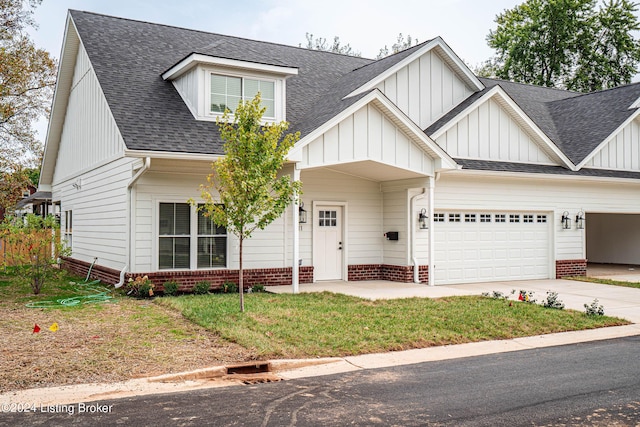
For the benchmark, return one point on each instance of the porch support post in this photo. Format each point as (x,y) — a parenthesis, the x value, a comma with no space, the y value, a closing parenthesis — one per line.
(295,272)
(431,272)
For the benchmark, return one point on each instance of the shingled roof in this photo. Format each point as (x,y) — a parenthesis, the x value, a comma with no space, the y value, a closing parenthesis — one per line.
(129,57)
(576,123)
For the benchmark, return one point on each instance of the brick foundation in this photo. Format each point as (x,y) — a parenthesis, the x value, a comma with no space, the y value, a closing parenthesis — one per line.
(187,279)
(571,267)
(393,273)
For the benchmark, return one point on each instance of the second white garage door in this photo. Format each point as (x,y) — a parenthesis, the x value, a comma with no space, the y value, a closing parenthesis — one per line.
(490,246)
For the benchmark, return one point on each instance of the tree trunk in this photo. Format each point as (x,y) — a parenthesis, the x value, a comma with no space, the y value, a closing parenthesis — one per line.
(240,279)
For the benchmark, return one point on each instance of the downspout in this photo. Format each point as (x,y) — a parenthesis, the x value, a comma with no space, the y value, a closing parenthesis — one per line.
(431,209)
(145,167)
(414,258)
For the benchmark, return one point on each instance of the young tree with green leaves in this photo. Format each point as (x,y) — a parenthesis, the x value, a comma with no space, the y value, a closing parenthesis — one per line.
(569,44)
(27,78)
(244,192)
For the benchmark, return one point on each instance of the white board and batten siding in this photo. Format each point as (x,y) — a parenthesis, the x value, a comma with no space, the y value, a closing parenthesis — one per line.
(190,88)
(366,135)
(91,175)
(265,249)
(489,132)
(89,135)
(425,89)
(622,152)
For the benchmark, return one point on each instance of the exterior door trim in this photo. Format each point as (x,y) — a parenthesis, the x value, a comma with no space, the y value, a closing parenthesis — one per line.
(345,234)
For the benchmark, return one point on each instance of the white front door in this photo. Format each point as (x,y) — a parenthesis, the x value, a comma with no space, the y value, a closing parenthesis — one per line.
(327,243)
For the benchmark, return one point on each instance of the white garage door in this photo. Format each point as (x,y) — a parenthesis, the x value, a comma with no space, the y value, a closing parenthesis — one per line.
(487,246)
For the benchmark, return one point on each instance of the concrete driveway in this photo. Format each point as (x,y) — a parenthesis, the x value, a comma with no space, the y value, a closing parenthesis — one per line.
(617,301)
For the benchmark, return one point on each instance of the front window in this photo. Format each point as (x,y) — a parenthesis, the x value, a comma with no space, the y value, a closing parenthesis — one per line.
(189,240)
(228,91)
(212,243)
(175,236)
(68,228)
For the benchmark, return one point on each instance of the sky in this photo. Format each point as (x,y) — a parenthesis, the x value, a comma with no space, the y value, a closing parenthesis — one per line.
(366,25)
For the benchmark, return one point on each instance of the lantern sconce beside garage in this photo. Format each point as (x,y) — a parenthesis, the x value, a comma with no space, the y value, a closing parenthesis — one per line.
(566,221)
(580,220)
(302,213)
(423,219)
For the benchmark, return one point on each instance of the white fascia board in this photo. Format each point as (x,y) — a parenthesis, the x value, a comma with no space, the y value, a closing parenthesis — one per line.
(389,109)
(543,176)
(608,139)
(196,58)
(499,92)
(68,55)
(170,155)
(450,58)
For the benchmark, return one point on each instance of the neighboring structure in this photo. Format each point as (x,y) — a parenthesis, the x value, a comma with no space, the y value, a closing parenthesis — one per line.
(413,168)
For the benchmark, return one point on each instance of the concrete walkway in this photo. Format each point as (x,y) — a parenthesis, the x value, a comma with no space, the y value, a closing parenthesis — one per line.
(617,301)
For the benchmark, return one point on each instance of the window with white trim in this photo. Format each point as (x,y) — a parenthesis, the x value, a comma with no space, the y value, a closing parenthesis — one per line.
(454,217)
(500,218)
(469,217)
(542,218)
(68,228)
(187,239)
(212,243)
(514,218)
(527,218)
(438,217)
(174,236)
(485,217)
(227,92)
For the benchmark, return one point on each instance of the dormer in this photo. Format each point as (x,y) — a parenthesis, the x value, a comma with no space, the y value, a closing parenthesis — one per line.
(208,85)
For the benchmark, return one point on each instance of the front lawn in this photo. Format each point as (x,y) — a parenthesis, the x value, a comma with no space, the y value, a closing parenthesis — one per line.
(326,324)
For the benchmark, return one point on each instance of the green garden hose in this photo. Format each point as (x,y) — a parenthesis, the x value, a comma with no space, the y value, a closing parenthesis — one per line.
(100,294)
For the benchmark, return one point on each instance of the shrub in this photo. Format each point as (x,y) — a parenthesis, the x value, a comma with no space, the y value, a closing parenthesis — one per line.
(201,288)
(229,288)
(257,288)
(140,287)
(31,247)
(170,288)
(594,309)
(493,294)
(526,296)
(552,301)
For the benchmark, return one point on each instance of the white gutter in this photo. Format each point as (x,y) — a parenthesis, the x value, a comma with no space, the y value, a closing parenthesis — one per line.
(416,267)
(145,167)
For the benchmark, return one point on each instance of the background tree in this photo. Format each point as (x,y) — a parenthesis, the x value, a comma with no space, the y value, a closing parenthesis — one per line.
(244,192)
(13,182)
(569,44)
(320,43)
(27,78)
(400,45)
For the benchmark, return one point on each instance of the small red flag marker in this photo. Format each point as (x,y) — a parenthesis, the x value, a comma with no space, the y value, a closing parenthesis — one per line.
(36,329)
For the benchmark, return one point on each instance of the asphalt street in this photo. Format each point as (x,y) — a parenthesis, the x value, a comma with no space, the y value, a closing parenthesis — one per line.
(588,384)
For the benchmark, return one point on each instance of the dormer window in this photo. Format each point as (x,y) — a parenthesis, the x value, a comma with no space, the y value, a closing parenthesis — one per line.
(208,85)
(228,91)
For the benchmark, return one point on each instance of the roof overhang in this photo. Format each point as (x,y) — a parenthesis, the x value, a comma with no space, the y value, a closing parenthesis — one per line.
(521,117)
(396,116)
(199,59)
(439,46)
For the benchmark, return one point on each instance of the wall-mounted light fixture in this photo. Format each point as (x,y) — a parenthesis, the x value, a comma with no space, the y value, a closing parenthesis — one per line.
(580,220)
(566,221)
(423,219)
(302,214)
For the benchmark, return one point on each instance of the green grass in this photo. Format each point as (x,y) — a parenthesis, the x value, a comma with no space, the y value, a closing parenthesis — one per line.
(605,281)
(326,324)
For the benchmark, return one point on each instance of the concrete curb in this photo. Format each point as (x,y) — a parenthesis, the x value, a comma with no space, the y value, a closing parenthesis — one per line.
(291,369)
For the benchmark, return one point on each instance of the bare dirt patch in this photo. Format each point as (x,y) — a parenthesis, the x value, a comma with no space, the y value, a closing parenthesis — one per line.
(108,342)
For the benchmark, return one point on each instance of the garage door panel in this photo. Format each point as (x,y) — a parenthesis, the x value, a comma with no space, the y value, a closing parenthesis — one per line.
(490,250)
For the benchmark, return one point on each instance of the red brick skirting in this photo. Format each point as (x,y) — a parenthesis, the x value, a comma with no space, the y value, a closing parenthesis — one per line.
(393,273)
(187,279)
(571,267)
